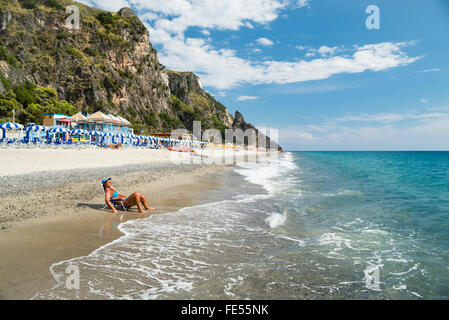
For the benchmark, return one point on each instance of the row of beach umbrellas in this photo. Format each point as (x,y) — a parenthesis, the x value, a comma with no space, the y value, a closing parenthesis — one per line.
(81,132)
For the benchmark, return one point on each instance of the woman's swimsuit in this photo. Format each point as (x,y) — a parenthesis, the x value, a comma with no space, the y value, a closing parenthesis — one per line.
(115,195)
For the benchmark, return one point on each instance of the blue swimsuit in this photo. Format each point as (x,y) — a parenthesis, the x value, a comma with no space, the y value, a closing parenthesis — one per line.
(115,195)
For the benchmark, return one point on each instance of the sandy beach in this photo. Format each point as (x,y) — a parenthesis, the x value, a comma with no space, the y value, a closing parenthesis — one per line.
(51,205)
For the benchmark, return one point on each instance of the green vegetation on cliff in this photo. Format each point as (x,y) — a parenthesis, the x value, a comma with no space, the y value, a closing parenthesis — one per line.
(31,102)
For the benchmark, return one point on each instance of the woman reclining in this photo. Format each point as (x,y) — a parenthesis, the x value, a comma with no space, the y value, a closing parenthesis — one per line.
(111,195)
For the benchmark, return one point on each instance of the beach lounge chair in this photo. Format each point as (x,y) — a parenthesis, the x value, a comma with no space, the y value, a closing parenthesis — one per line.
(11,142)
(117,203)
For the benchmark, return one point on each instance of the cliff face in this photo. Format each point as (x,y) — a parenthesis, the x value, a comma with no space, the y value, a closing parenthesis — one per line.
(240,123)
(186,87)
(108,64)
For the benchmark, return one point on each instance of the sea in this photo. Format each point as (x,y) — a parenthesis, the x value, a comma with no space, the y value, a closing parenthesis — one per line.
(302,225)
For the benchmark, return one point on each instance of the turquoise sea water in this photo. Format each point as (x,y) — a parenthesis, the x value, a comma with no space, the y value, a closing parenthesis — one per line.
(383,209)
(308,225)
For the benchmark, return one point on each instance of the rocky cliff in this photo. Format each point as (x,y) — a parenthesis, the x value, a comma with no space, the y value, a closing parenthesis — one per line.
(108,64)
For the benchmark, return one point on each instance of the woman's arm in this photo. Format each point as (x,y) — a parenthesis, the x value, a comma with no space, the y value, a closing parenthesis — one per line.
(107,199)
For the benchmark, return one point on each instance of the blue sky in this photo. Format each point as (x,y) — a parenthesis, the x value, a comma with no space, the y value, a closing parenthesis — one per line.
(311,69)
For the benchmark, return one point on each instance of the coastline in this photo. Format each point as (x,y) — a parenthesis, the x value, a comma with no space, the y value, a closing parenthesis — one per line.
(52,222)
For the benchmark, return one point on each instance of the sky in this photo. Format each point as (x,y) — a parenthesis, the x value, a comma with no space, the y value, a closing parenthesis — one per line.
(310,70)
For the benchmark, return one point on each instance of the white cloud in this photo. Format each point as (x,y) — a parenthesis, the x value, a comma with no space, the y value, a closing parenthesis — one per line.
(427,70)
(265,42)
(302,3)
(110,5)
(247,98)
(381,117)
(223,68)
(327,51)
(390,117)
(424,100)
(222,15)
(424,131)
(310,54)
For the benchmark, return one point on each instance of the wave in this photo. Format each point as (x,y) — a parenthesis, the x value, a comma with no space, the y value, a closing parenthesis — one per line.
(276,219)
(271,173)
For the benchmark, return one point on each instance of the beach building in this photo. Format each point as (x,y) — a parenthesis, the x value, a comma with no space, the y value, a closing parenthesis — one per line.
(97,121)
(56,120)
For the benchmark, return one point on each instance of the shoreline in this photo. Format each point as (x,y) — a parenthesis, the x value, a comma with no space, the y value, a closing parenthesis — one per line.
(68,222)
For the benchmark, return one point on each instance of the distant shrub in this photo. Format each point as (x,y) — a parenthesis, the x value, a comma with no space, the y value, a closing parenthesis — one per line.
(5,82)
(28,4)
(62,35)
(53,4)
(110,83)
(105,18)
(170,123)
(150,119)
(3,54)
(131,111)
(25,93)
(7,103)
(91,52)
(74,52)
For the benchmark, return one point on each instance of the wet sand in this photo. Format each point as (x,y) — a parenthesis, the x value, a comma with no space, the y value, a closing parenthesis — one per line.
(50,224)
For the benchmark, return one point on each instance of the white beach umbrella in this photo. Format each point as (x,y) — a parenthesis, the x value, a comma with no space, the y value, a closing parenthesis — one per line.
(59,130)
(95,133)
(36,128)
(79,132)
(10,126)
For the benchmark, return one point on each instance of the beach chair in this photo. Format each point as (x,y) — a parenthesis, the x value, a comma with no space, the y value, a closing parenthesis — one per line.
(11,142)
(117,203)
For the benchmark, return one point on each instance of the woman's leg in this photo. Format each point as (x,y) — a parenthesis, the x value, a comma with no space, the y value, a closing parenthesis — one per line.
(144,202)
(134,200)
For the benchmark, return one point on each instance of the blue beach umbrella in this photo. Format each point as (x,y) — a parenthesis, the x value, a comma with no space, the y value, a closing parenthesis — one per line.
(95,133)
(10,126)
(79,132)
(56,130)
(34,128)
(121,136)
(128,136)
(106,135)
